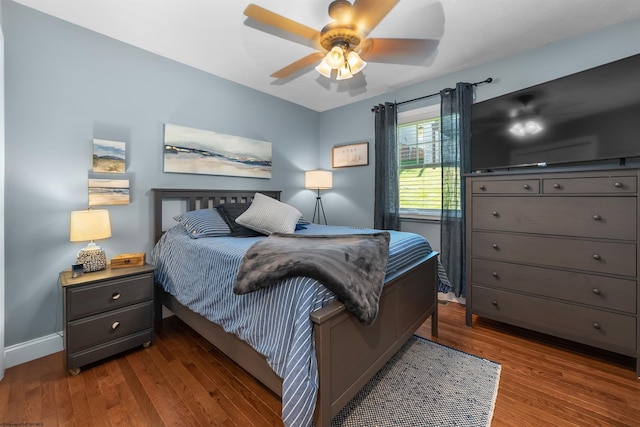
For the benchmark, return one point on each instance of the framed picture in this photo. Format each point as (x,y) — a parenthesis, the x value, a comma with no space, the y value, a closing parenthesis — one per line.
(189,150)
(108,156)
(343,156)
(108,192)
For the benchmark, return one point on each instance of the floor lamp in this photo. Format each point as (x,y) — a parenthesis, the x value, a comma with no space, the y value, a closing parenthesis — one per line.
(318,180)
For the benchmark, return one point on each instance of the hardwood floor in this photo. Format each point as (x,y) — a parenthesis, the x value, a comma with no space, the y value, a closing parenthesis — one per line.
(182,380)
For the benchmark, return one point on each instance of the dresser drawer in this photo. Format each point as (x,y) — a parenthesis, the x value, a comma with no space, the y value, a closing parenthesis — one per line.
(511,186)
(616,332)
(597,217)
(100,328)
(594,290)
(595,185)
(91,299)
(89,355)
(588,255)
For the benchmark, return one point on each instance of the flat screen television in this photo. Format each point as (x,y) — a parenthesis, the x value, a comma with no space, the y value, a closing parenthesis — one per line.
(589,117)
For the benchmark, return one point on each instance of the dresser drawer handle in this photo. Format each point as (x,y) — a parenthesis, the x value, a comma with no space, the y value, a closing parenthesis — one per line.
(526,186)
(115,325)
(482,187)
(496,214)
(494,303)
(596,325)
(556,186)
(596,257)
(115,296)
(596,291)
(495,246)
(617,184)
(597,217)
(495,274)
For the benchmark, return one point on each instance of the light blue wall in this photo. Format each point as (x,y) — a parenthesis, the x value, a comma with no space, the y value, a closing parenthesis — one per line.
(351,200)
(65,86)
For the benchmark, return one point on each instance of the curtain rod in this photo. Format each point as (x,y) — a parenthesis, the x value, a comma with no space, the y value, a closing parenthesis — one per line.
(488,80)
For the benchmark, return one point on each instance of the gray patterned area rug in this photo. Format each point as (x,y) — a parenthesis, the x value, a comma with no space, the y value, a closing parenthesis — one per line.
(426,384)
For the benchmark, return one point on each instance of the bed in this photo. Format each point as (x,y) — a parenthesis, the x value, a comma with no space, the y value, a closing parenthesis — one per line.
(346,354)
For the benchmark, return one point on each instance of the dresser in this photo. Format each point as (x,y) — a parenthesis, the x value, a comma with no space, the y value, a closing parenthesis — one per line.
(106,312)
(556,252)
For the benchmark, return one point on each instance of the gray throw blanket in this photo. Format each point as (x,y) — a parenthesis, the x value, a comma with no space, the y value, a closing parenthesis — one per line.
(353,266)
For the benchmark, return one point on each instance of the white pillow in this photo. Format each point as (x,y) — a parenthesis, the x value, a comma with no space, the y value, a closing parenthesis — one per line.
(267,215)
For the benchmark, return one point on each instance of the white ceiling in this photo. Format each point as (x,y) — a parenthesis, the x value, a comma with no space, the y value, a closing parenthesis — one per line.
(211,35)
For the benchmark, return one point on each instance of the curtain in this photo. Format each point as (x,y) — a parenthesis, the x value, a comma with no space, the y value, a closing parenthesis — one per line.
(455,116)
(386,211)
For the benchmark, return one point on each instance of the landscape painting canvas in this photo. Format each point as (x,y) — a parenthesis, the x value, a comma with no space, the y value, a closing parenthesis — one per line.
(108,156)
(108,192)
(189,150)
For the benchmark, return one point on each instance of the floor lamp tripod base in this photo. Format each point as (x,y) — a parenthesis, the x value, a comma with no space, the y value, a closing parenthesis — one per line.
(319,210)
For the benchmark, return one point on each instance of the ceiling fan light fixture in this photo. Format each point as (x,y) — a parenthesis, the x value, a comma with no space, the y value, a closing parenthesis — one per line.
(335,57)
(324,68)
(344,72)
(356,64)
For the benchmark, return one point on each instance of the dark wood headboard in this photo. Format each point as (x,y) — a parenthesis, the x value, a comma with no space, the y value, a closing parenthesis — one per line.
(199,199)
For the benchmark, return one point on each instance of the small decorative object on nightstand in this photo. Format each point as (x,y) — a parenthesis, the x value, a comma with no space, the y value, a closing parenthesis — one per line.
(105,313)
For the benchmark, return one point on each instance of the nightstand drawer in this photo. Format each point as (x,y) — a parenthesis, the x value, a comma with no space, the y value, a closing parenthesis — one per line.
(615,332)
(91,299)
(114,324)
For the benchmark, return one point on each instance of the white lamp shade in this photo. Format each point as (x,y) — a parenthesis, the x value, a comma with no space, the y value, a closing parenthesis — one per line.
(89,225)
(318,179)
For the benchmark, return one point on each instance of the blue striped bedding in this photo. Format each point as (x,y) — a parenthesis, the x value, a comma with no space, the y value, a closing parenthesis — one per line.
(200,274)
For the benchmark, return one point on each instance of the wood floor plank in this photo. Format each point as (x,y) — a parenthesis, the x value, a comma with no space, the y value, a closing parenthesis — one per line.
(183,380)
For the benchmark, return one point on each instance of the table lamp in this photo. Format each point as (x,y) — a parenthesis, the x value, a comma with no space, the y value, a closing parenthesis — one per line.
(318,180)
(87,226)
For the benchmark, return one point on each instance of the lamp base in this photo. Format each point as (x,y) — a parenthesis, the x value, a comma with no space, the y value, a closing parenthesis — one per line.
(92,259)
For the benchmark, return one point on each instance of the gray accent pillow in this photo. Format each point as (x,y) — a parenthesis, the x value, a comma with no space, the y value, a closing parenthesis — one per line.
(203,223)
(268,215)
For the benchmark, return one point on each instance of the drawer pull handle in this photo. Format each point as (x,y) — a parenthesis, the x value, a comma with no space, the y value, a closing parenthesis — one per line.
(115,295)
(596,257)
(495,246)
(494,274)
(115,325)
(556,186)
(482,187)
(596,291)
(494,213)
(617,184)
(597,217)
(526,186)
(494,303)
(596,325)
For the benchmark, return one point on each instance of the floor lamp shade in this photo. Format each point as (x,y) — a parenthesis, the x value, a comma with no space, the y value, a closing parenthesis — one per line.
(318,180)
(87,226)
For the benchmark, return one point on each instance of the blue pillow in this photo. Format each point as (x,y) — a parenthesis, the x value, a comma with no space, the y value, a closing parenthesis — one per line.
(203,223)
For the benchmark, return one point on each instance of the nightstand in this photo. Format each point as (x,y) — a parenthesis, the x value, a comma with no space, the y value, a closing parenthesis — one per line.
(106,312)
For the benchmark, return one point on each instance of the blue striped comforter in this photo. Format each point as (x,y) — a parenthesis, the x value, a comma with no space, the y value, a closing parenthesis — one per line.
(200,274)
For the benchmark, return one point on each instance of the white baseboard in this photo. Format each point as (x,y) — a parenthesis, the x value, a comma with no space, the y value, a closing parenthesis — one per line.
(30,350)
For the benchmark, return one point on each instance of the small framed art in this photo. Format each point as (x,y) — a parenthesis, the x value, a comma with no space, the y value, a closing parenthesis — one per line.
(343,156)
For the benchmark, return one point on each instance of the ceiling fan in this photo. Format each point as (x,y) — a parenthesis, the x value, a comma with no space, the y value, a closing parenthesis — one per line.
(342,45)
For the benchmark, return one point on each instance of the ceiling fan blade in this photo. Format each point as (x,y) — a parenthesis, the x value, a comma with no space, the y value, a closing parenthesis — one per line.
(367,14)
(397,51)
(272,19)
(298,65)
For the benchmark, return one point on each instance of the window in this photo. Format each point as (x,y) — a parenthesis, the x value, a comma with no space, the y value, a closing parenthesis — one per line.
(419,168)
